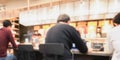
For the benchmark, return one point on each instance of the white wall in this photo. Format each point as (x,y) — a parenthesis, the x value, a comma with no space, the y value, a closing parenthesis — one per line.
(23,3)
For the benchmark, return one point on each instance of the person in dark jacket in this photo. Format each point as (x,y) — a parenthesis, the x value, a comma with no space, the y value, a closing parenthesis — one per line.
(62,32)
(6,37)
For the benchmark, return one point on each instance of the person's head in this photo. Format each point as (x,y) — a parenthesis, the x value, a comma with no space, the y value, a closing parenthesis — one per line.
(7,23)
(116,20)
(63,18)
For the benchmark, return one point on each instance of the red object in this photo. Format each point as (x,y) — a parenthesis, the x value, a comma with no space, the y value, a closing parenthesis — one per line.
(5,38)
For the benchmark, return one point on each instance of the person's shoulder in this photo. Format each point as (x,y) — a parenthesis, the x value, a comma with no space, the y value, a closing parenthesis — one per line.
(6,29)
(115,29)
(65,25)
(3,28)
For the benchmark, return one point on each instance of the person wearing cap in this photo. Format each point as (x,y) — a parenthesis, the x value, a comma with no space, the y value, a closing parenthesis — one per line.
(6,37)
(63,33)
(113,39)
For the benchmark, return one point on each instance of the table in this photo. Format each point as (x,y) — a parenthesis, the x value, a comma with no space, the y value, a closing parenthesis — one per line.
(92,56)
(78,56)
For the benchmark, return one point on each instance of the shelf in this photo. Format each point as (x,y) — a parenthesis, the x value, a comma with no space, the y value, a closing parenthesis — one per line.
(17,38)
(15,28)
(15,23)
(16,33)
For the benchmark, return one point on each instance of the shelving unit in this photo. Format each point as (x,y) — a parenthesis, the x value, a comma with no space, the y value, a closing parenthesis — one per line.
(15,28)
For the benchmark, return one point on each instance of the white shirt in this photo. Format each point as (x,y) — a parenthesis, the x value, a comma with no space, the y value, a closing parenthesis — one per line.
(113,42)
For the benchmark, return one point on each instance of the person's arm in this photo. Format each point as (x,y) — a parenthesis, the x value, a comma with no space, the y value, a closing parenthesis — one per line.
(80,44)
(108,44)
(11,39)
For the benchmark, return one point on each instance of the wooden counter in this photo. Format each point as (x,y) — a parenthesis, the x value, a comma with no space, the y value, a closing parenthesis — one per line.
(92,56)
(78,56)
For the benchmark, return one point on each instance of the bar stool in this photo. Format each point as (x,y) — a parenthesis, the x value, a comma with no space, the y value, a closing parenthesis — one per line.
(52,51)
(25,52)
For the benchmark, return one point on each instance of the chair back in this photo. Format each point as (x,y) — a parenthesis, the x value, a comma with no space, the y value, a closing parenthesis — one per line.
(52,48)
(27,48)
(26,52)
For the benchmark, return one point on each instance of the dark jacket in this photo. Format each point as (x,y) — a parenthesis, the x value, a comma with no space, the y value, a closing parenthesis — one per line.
(5,38)
(66,34)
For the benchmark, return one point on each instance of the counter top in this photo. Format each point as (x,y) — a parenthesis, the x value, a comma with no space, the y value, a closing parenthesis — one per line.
(92,53)
(95,54)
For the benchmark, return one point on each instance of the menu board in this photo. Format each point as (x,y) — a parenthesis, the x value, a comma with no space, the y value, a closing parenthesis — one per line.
(106,27)
(97,16)
(46,28)
(53,12)
(82,28)
(73,24)
(101,23)
(8,14)
(114,6)
(92,29)
(36,27)
(44,15)
(23,18)
(98,6)
(81,8)
(66,8)
(34,17)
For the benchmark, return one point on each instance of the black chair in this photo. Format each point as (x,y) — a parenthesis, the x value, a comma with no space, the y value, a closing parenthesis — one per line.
(25,52)
(52,51)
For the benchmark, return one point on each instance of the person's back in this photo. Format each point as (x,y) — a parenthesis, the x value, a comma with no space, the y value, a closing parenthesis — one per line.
(66,34)
(5,38)
(113,39)
(3,41)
